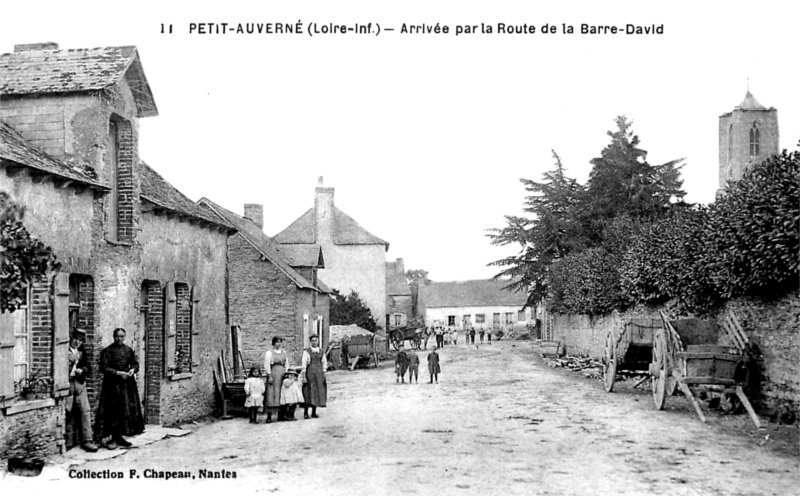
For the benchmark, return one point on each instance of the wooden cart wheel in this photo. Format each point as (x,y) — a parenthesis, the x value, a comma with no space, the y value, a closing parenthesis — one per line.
(658,369)
(610,365)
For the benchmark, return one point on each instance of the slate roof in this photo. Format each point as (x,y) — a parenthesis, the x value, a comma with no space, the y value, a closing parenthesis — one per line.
(263,243)
(15,149)
(750,103)
(156,190)
(346,231)
(305,255)
(396,283)
(478,293)
(50,71)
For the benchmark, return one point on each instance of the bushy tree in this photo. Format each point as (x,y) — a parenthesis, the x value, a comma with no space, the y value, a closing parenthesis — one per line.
(755,230)
(351,309)
(550,232)
(23,258)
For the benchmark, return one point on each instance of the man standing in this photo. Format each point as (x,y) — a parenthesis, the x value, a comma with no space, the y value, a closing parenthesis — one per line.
(120,411)
(77,406)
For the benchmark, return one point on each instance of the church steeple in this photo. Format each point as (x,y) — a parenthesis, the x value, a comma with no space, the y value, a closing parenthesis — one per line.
(747,135)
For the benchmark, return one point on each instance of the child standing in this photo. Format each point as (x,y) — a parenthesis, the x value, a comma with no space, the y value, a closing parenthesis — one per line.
(401,366)
(413,367)
(433,366)
(254,388)
(291,394)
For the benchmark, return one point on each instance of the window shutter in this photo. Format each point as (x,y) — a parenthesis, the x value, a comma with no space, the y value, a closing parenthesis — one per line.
(170,329)
(6,356)
(196,296)
(61,334)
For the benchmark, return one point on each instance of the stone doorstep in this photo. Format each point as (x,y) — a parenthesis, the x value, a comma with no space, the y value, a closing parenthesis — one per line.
(57,466)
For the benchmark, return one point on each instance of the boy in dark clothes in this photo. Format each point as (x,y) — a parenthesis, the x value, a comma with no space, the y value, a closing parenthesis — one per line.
(433,366)
(400,366)
(413,367)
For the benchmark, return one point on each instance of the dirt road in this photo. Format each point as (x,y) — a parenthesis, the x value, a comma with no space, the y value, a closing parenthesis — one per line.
(498,422)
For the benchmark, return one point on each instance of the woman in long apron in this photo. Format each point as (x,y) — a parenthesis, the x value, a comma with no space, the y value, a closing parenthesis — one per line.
(275,364)
(315,389)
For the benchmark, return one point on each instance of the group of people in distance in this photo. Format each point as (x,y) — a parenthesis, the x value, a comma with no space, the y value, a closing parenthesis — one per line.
(285,387)
(446,335)
(409,362)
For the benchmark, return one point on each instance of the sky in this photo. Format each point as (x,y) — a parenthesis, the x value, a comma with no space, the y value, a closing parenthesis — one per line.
(425,136)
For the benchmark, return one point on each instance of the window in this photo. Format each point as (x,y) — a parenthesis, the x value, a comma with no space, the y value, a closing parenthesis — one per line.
(521,316)
(755,140)
(183,336)
(480,318)
(451,320)
(398,319)
(113,172)
(466,320)
(510,318)
(496,320)
(22,343)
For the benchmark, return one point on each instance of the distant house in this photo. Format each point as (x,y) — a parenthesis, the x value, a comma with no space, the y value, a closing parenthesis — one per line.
(271,294)
(134,252)
(399,305)
(482,304)
(354,258)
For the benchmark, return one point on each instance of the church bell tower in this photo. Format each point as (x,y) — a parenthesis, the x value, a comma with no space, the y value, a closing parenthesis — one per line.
(747,135)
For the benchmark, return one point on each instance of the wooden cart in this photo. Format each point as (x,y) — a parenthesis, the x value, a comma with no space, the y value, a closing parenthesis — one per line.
(629,351)
(401,334)
(689,351)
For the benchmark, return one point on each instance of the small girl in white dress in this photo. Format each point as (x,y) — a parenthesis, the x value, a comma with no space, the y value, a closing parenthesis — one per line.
(291,394)
(254,388)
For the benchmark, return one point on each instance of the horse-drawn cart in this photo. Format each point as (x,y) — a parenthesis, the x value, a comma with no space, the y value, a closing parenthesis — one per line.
(629,352)
(690,352)
(400,335)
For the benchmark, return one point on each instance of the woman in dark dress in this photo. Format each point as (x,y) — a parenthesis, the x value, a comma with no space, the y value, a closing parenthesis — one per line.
(119,412)
(315,389)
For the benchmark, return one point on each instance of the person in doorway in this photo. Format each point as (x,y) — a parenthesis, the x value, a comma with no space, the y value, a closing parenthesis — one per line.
(413,367)
(77,404)
(254,388)
(276,361)
(401,366)
(433,366)
(119,412)
(315,389)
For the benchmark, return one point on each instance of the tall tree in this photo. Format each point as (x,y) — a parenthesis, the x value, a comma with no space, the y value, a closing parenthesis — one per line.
(551,232)
(622,182)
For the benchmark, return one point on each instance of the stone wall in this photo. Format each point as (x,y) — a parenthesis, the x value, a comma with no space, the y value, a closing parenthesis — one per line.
(36,433)
(772,327)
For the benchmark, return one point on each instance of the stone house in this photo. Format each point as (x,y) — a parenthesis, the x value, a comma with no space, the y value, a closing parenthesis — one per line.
(134,252)
(482,304)
(399,305)
(354,258)
(270,293)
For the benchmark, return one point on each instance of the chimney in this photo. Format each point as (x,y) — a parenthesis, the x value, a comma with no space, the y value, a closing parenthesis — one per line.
(323,206)
(255,212)
(34,47)
(400,266)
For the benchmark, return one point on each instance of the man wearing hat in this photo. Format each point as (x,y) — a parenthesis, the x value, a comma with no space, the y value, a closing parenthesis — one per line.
(78,400)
